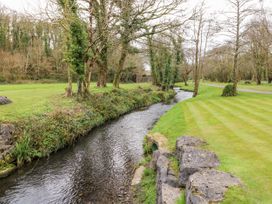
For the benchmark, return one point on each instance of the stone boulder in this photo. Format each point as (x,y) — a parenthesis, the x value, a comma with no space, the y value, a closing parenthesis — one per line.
(6,133)
(166,184)
(185,142)
(6,137)
(194,160)
(169,194)
(209,186)
(4,100)
(138,175)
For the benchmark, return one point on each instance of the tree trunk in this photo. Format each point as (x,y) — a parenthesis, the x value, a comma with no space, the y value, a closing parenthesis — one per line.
(235,77)
(80,86)
(269,80)
(69,89)
(117,76)
(196,72)
(236,54)
(102,77)
(87,80)
(259,76)
(152,60)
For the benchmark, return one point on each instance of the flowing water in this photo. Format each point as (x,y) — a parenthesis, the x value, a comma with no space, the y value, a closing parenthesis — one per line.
(97,169)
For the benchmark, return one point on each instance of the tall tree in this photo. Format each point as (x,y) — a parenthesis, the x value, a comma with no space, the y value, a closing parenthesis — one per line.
(77,44)
(133,18)
(198,27)
(241,10)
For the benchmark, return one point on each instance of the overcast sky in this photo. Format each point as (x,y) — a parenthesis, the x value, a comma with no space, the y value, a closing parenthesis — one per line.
(35,5)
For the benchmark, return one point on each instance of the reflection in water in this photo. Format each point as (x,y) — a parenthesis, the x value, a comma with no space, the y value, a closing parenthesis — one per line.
(98,169)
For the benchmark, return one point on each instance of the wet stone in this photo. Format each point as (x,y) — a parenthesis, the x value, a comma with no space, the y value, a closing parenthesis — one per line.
(209,186)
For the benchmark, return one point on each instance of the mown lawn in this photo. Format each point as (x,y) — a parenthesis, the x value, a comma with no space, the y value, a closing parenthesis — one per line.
(238,129)
(29,99)
(253,86)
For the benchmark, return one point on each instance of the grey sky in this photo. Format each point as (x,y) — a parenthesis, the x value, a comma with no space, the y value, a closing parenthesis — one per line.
(35,5)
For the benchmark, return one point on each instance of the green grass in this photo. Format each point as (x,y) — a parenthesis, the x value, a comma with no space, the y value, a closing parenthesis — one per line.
(253,86)
(238,129)
(147,192)
(30,99)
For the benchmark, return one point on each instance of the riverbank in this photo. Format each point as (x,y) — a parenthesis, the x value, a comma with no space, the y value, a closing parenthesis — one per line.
(238,129)
(41,134)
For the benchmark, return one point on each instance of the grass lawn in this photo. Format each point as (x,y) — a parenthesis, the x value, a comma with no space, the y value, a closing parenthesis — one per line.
(29,99)
(238,129)
(264,87)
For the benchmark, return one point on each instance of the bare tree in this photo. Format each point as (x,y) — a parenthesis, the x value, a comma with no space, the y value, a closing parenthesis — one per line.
(134,16)
(259,40)
(199,22)
(240,11)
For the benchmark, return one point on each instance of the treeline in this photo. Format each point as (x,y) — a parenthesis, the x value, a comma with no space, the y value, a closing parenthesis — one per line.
(117,40)
(32,49)
(29,49)
(255,63)
(113,30)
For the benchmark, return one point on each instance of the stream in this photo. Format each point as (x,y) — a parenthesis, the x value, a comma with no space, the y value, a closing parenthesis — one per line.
(97,170)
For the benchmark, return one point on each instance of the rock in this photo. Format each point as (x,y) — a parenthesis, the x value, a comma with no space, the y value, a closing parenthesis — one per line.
(172,180)
(4,100)
(194,160)
(155,157)
(138,176)
(209,186)
(169,194)
(186,142)
(6,132)
(166,183)
(162,168)
(158,142)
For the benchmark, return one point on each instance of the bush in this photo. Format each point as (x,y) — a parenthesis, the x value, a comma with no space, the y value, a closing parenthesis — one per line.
(229,91)
(247,82)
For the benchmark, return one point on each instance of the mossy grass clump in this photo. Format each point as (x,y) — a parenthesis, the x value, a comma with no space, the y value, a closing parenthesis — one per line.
(6,169)
(229,90)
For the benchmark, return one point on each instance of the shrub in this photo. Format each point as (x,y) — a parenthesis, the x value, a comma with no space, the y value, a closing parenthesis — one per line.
(229,91)
(247,82)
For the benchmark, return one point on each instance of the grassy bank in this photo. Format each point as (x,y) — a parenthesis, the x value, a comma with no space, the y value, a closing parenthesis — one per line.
(41,134)
(31,99)
(238,129)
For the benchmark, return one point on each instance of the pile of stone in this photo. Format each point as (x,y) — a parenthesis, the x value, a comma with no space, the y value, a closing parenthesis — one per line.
(167,183)
(6,139)
(203,183)
(197,174)
(4,100)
